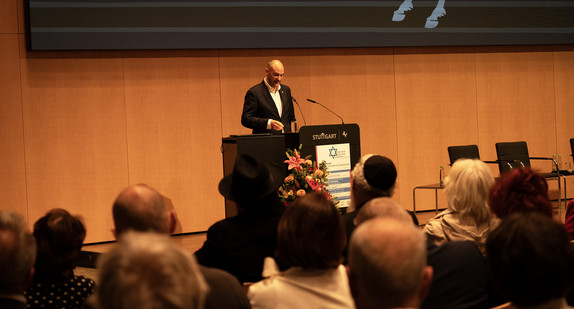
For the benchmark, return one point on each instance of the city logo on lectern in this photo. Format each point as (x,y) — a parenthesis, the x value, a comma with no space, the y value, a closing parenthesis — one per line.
(324,136)
(344,134)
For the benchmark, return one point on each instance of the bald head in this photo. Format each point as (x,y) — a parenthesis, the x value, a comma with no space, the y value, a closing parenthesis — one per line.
(140,208)
(387,264)
(382,207)
(274,72)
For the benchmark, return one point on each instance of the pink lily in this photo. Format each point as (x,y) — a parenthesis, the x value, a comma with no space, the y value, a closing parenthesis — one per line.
(295,161)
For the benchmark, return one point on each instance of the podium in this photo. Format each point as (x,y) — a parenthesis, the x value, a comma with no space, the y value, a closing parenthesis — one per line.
(271,148)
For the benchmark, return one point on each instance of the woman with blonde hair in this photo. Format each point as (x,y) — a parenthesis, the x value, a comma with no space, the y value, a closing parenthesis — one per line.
(468,216)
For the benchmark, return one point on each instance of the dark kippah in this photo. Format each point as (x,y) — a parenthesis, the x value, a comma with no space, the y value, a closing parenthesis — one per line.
(380,172)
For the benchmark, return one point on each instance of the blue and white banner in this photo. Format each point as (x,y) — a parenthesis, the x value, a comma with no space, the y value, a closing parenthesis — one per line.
(338,159)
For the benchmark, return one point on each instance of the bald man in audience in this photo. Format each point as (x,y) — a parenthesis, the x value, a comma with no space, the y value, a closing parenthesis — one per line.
(141,208)
(17,258)
(387,264)
(460,274)
(382,207)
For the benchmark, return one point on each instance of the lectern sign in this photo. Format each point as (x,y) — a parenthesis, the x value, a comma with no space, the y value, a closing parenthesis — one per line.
(338,159)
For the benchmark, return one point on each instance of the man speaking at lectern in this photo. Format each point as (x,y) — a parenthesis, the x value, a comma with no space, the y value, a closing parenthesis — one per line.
(268,106)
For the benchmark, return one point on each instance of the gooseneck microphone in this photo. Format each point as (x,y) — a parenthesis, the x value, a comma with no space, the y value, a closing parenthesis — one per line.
(325,107)
(300,111)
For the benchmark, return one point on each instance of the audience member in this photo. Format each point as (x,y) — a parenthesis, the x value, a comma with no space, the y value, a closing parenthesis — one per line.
(520,190)
(531,261)
(59,239)
(310,244)
(569,219)
(17,257)
(141,208)
(460,276)
(147,270)
(467,216)
(382,207)
(373,176)
(387,265)
(240,244)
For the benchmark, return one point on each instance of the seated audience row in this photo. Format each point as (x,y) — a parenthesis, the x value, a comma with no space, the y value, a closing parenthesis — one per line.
(291,257)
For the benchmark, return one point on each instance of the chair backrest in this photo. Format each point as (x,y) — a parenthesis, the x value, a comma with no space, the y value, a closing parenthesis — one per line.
(463,152)
(513,153)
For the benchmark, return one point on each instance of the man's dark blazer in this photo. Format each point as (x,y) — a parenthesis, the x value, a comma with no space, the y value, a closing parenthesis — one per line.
(259,107)
(460,276)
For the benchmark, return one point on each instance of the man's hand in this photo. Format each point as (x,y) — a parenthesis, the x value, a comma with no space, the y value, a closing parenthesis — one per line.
(276,125)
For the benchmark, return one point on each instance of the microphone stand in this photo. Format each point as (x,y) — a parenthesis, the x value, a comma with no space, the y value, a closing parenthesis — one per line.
(325,107)
(300,111)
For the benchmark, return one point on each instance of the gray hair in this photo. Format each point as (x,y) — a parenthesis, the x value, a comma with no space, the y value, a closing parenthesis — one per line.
(147,270)
(466,188)
(17,252)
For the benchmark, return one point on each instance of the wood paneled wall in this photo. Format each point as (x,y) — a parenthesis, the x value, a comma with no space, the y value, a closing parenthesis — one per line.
(77,127)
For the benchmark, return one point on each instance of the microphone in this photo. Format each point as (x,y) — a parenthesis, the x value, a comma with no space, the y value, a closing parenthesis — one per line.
(325,107)
(300,111)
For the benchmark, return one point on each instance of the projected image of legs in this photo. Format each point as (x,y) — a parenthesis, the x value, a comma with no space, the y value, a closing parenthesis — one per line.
(432,20)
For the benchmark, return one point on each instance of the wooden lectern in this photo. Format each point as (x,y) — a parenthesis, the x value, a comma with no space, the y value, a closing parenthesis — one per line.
(271,148)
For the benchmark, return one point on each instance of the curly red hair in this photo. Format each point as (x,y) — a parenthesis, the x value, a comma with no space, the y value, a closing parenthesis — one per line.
(520,190)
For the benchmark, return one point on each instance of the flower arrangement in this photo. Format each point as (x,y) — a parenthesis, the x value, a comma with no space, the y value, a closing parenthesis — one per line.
(305,177)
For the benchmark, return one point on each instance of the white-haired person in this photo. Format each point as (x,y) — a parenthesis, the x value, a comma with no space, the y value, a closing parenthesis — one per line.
(147,270)
(17,258)
(467,216)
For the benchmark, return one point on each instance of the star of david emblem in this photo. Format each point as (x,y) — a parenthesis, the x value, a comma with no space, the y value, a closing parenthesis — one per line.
(333,152)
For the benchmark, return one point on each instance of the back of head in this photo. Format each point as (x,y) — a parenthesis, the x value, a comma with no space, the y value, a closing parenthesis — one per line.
(17,253)
(311,234)
(59,237)
(530,259)
(382,207)
(466,188)
(520,190)
(147,270)
(373,176)
(387,261)
(140,208)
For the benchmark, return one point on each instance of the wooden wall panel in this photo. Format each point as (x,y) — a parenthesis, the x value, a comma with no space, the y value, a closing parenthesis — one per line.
(12,165)
(564,85)
(21,16)
(516,102)
(436,108)
(9,16)
(174,131)
(563,68)
(358,85)
(75,135)
(242,69)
